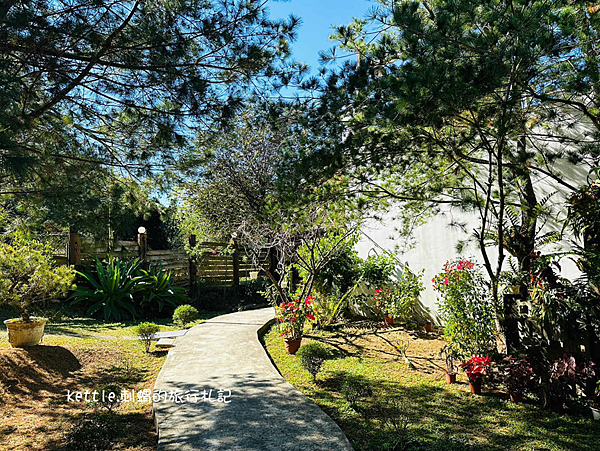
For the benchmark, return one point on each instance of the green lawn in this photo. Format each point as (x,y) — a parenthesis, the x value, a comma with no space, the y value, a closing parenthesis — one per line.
(439,416)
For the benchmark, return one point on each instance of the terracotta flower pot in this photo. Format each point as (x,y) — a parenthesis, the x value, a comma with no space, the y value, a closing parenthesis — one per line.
(22,334)
(475,386)
(292,346)
(428,327)
(388,320)
(450,378)
(516,396)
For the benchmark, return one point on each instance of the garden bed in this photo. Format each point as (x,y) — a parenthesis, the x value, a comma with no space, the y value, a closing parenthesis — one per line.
(425,412)
(77,356)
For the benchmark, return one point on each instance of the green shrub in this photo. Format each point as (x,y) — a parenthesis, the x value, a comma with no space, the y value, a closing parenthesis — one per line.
(95,432)
(121,289)
(111,289)
(28,274)
(145,332)
(356,388)
(312,356)
(185,314)
(158,290)
(466,307)
(377,270)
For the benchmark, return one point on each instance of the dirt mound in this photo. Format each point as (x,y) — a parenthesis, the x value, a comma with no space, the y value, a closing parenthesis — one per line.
(35,369)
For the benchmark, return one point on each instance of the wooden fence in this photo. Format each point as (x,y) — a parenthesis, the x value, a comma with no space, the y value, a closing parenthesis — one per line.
(217,264)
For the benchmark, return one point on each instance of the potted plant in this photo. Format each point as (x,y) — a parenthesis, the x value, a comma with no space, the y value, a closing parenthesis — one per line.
(383,303)
(28,274)
(449,355)
(476,368)
(292,316)
(428,326)
(517,375)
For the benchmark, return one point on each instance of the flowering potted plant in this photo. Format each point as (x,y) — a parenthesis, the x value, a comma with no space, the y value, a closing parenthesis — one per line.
(292,316)
(383,303)
(466,307)
(476,368)
(517,376)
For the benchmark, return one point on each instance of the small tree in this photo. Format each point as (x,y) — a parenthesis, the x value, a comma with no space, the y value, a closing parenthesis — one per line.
(312,357)
(145,332)
(28,274)
(184,315)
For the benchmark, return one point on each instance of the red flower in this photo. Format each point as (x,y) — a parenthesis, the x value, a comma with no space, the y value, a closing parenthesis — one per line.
(311,316)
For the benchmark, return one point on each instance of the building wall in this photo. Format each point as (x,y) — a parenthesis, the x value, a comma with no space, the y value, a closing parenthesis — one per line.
(437,240)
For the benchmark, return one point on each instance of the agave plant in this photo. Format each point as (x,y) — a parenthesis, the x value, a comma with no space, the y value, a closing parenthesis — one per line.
(112,288)
(158,289)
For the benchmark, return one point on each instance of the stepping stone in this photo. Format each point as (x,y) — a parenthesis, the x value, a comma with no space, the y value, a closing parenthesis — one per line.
(169,334)
(165,343)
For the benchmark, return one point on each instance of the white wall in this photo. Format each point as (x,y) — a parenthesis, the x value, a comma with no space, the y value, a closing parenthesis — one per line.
(436,241)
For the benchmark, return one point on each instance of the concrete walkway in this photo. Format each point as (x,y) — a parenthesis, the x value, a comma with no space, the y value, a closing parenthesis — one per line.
(264,413)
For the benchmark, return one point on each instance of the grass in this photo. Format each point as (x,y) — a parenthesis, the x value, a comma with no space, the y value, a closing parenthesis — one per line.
(77,354)
(435,416)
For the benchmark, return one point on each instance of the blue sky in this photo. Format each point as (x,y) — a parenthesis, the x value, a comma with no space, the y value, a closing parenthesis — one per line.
(318,16)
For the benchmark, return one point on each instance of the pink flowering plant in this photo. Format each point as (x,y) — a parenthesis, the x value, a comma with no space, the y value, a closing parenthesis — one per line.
(476,368)
(292,316)
(466,307)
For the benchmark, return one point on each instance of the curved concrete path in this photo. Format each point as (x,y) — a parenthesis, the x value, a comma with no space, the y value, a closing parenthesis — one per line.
(266,413)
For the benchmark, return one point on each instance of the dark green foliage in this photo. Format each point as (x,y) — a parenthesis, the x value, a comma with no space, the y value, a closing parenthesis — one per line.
(96,432)
(184,315)
(232,298)
(146,331)
(111,289)
(312,356)
(342,272)
(356,388)
(158,290)
(378,269)
(393,414)
(123,289)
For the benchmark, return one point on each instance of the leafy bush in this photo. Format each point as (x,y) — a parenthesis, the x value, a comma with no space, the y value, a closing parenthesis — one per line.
(28,274)
(340,273)
(356,388)
(145,331)
(185,314)
(568,380)
(158,290)
(377,270)
(111,288)
(312,356)
(122,289)
(517,374)
(400,298)
(466,307)
(95,432)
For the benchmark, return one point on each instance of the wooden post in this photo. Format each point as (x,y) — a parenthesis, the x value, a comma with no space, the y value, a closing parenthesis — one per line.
(236,262)
(193,269)
(142,243)
(73,247)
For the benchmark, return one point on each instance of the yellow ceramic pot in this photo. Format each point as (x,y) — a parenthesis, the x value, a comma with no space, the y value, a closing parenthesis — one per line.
(22,334)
